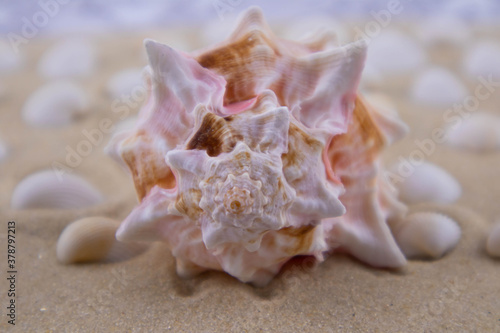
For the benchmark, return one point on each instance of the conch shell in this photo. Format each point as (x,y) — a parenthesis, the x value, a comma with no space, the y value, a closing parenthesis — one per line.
(257,150)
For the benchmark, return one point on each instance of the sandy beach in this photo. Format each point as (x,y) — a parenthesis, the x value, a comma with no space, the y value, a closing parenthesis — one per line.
(457,293)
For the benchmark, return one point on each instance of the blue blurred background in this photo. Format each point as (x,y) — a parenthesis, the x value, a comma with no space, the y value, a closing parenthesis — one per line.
(99,16)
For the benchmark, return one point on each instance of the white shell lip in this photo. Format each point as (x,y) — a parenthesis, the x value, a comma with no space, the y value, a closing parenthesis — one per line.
(44,189)
(55,104)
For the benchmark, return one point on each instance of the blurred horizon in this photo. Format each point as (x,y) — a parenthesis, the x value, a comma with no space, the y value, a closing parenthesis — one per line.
(88,16)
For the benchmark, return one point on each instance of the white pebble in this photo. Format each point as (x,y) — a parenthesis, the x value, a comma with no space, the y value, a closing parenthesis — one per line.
(3,150)
(48,189)
(55,104)
(427,235)
(67,59)
(92,239)
(493,242)
(394,53)
(444,29)
(483,59)
(125,82)
(438,87)
(425,183)
(9,59)
(479,132)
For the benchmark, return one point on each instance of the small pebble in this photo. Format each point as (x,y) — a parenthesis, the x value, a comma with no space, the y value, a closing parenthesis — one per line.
(493,242)
(427,235)
(92,239)
(438,87)
(48,189)
(393,53)
(445,29)
(3,150)
(483,59)
(55,104)
(68,58)
(10,60)
(425,183)
(479,132)
(125,82)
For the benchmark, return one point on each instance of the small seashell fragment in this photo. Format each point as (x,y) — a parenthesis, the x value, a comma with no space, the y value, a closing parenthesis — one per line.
(437,86)
(125,83)
(55,104)
(483,59)
(47,189)
(394,53)
(479,132)
(92,239)
(493,242)
(3,150)
(425,183)
(447,29)
(68,58)
(427,235)
(9,59)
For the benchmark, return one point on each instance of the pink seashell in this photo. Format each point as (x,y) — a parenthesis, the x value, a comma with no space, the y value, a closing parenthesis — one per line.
(259,149)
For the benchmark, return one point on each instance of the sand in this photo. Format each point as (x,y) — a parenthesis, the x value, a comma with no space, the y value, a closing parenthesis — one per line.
(458,293)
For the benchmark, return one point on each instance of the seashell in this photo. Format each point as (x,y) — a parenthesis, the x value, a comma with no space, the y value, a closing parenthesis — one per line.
(427,235)
(92,239)
(3,150)
(437,86)
(258,149)
(10,60)
(393,53)
(54,104)
(483,59)
(47,189)
(426,182)
(125,125)
(68,58)
(444,29)
(493,242)
(480,131)
(125,82)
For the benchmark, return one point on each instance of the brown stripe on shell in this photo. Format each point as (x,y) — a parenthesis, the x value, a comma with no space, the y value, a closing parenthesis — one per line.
(298,142)
(359,146)
(302,239)
(147,166)
(236,62)
(214,135)
(187,203)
